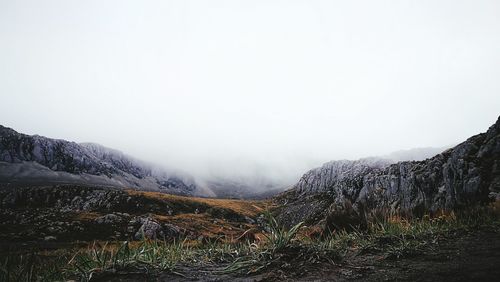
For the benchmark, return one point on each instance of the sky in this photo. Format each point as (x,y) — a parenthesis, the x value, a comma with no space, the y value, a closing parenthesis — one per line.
(228,86)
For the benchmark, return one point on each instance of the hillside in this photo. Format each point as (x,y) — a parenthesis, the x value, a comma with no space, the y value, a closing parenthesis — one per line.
(38,160)
(84,233)
(70,212)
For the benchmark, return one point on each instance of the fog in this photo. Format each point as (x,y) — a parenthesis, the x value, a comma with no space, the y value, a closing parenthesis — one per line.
(251,88)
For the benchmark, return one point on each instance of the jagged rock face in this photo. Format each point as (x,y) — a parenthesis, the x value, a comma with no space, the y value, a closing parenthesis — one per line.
(89,163)
(344,176)
(465,175)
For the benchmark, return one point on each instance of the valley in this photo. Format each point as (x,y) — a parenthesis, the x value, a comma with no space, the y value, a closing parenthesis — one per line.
(348,220)
(249,141)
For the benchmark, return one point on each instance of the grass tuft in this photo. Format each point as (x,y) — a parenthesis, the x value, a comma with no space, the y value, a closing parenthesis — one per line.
(148,256)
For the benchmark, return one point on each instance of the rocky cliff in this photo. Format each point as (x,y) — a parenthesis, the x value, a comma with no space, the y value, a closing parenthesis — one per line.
(36,159)
(465,175)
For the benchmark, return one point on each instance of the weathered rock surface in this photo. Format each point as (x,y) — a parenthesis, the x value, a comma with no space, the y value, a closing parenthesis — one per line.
(465,175)
(150,228)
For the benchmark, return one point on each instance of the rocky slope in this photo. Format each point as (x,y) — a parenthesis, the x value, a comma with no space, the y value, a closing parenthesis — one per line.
(465,175)
(72,212)
(40,160)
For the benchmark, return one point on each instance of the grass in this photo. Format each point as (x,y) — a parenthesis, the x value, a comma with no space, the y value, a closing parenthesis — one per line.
(148,255)
(205,225)
(391,236)
(31,267)
(279,237)
(262,256)
(396,236)
(242,207)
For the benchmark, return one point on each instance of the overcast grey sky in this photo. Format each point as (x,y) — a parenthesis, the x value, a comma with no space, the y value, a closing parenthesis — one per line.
(196,84)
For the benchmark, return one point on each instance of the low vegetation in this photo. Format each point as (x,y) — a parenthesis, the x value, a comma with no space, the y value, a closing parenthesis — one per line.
(289,250)
(240,207)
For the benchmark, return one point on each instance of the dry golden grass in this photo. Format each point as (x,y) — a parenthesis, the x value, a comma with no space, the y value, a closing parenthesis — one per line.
(243,207)
(495,207)
(200,224)
(206,226)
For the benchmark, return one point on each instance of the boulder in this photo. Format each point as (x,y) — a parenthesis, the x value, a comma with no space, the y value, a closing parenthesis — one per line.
(152,229)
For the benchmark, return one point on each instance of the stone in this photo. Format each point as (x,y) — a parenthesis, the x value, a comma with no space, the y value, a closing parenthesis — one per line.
(49,238)
(150,229)
(249,220)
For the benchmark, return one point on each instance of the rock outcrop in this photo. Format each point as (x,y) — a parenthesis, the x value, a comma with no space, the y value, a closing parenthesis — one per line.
(149,228)
(465,175)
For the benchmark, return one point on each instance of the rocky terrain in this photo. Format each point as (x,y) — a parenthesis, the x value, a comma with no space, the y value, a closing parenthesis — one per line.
(408,216)
(26,159)
(69,213)
(78,233)
(346,192)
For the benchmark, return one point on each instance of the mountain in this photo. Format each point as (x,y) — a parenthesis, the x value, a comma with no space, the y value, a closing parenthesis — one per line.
(26,159)
(349,191)
(259,181)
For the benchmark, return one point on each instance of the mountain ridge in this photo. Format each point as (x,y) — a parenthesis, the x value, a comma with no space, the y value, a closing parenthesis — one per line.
(60,161)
